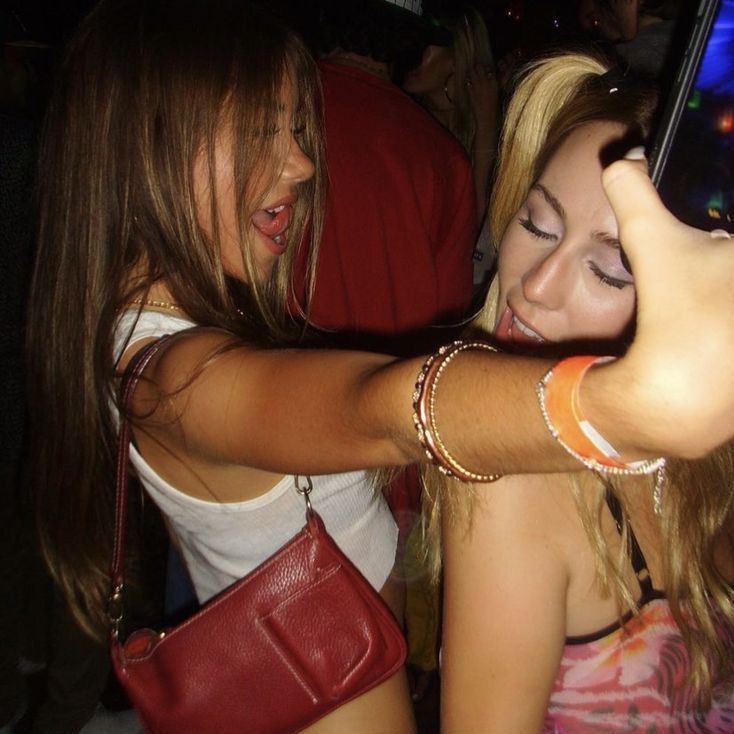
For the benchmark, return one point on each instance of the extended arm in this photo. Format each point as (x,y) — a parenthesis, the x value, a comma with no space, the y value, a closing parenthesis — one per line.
(299,411)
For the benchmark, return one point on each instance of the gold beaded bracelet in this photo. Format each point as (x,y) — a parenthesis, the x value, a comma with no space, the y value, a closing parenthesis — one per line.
(424,412)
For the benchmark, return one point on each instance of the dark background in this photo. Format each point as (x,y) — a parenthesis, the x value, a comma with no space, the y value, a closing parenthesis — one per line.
(34,31)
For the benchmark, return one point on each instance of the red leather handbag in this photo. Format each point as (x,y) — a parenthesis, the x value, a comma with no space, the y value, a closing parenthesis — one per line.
(300,635)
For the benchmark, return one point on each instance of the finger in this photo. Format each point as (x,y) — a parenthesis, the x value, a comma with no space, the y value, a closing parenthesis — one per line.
(632,195)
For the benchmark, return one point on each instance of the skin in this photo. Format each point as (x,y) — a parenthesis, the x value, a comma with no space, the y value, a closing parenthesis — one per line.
(267,232)
(560,268)
(522,576)
(430,77)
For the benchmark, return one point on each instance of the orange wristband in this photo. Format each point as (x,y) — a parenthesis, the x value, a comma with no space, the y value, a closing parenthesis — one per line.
(558,394)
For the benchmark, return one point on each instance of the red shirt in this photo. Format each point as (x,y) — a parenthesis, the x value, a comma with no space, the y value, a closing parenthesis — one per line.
(400,223)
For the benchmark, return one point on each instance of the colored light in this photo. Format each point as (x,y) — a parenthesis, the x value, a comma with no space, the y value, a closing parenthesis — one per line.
(694,101)
(725,123)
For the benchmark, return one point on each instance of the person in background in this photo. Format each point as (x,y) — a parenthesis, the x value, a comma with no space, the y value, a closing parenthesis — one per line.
(458,86)
(589,601)
(395,252)
(641,31)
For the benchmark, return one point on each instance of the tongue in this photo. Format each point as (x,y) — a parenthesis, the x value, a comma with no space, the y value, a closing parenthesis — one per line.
(268,224)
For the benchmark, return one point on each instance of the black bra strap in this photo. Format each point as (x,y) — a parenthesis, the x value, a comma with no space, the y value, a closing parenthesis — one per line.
(639,564)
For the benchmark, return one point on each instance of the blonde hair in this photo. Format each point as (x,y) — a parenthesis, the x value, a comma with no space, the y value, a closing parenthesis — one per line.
(554,96)
(696,516)
(147,86)
(471,47)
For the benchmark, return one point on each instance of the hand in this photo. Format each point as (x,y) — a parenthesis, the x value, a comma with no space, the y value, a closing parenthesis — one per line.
(679,372)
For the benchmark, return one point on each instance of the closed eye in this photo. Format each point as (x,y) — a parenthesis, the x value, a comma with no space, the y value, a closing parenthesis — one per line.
(529,225)
(608,279)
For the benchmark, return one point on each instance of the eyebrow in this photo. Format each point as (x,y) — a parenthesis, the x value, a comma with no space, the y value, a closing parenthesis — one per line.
(554,203)
(604,237)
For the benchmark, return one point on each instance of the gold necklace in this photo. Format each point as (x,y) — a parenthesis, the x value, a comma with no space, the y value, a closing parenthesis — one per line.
(168,305)
(157,304)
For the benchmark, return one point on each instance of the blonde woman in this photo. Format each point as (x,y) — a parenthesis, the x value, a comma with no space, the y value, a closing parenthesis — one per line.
(457,85)
(581,602)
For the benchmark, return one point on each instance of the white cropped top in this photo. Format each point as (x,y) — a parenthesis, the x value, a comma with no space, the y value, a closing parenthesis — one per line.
(221,542)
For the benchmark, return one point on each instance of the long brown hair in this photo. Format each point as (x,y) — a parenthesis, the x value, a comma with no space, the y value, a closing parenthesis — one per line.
(146,85)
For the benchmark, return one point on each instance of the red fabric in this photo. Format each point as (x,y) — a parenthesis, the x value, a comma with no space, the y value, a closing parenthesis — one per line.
(399,230)
(396,252)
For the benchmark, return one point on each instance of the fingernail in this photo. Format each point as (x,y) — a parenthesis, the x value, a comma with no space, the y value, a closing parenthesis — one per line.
(635,154)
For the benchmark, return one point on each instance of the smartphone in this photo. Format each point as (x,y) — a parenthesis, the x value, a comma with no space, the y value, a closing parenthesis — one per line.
(692,158)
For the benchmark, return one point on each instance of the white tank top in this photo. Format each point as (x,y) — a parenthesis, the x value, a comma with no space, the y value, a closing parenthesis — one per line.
(222,541)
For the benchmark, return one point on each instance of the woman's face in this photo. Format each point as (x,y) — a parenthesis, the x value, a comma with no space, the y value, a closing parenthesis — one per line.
(560,269)
(268,226)
(432,73)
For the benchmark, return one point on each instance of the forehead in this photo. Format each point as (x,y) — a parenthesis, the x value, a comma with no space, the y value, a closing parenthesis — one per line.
(573,173)
(579,157)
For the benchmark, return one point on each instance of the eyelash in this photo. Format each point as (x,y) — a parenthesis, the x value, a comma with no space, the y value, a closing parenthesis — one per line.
(530,226)
(607,280)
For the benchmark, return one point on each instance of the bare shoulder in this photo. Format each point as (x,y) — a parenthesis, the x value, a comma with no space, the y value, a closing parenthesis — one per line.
(505,588)
(190,353)
(524,521)
(540,503)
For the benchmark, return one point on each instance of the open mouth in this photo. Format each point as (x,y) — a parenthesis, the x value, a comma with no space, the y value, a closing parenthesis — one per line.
(511,329)
(272,224)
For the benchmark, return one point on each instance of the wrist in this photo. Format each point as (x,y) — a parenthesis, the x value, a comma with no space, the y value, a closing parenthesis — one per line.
(567,419)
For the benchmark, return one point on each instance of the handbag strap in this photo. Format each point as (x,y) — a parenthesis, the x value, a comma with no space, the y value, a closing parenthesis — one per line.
(130,379)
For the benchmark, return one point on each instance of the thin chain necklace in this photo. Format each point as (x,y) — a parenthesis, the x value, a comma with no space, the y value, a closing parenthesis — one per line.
(169,306)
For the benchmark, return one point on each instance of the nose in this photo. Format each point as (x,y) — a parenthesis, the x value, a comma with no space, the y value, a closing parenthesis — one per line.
(549,281)
(298,166)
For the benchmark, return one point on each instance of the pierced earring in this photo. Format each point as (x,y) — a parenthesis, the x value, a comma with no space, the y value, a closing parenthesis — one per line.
(719,234)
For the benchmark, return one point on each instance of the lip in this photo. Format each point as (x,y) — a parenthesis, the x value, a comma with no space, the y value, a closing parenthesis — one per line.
(511,328)
(272,222)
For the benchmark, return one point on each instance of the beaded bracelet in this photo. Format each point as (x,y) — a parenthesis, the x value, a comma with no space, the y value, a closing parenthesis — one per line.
(558,395)
(424,412)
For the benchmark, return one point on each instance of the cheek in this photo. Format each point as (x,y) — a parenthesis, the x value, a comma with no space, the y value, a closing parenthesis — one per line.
(606,315)
(516,257)
(435,69)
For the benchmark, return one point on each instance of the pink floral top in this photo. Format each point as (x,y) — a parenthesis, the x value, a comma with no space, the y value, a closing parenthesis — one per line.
(632,678)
